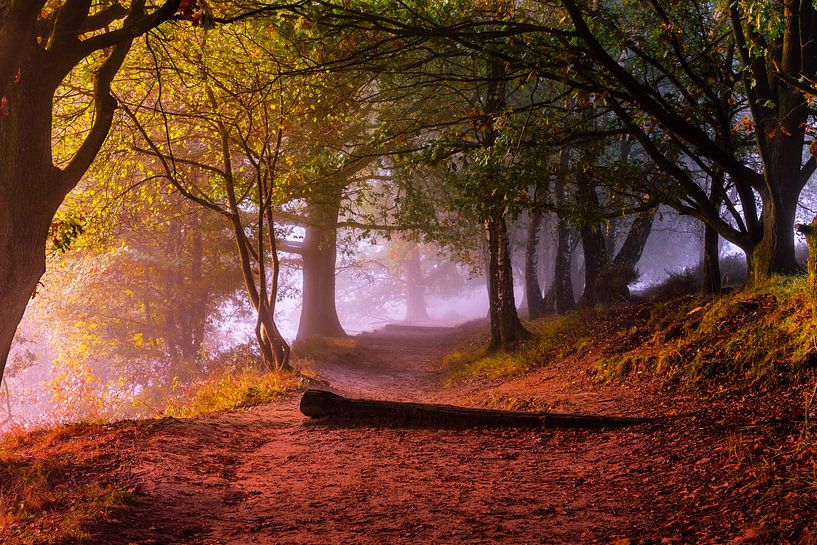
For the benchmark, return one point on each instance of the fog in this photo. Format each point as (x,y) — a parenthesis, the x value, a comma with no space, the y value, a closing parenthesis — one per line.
(84,349)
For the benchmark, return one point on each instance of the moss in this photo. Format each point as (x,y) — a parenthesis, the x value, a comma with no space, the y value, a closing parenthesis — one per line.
(762,334)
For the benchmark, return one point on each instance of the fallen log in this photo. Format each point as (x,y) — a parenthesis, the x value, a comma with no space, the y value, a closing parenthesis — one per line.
(332,407)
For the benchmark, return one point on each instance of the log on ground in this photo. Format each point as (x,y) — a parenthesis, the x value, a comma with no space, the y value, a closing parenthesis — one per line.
(334,408)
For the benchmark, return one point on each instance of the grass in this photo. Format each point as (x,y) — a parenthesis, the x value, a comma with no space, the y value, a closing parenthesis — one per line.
(345,350)
(39,501)
(229,389)
(763,334)
(554,338)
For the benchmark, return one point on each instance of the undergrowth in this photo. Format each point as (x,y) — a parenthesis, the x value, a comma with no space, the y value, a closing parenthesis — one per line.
(760,334)
(228,389)
(39,502)
(553,339)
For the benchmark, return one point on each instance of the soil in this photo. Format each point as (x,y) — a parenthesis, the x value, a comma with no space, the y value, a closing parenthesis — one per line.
(265,475)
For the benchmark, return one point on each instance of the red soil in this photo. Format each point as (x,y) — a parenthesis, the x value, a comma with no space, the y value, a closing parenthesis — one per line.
(266,476)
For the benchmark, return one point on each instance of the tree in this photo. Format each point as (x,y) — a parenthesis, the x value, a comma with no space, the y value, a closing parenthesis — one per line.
(228,150)
(41,43)
(675,80)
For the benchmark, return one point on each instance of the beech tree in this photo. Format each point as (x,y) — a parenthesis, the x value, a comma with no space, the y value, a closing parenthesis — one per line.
(673,81)
(41,43)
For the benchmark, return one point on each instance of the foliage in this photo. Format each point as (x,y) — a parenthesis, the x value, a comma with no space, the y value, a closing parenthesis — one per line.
(229,389)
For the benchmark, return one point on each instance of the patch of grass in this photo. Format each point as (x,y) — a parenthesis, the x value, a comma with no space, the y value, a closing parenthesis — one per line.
(554,338)
(761,334)
(328,349)
(230,389)
(47,493)
(764,334)
(482,363)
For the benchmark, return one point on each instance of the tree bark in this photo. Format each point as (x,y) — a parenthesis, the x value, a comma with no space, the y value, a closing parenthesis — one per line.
(712,280)
(23,232)
(319,315)
(506,328)
(712,283)
(415,290)
(533,292)
(31,191)
(775,252)
(564,300)
(595,261)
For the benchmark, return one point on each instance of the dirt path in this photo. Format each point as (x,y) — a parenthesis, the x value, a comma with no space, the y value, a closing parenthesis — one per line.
(399,365)
(264,476)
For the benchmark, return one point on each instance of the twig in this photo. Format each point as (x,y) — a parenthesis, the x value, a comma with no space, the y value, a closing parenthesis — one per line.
(10,416)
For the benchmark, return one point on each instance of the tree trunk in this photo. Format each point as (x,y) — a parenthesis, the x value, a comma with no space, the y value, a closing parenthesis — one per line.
(198,307)
(319,315)
(712,283)
(594,246)
(23,232)
(31,191)
(506,328)
(775,253)
(595,261)
(782,156)
(810,232)
(630,253)
(614,286)
(533,292)
(415,290)
(564,300)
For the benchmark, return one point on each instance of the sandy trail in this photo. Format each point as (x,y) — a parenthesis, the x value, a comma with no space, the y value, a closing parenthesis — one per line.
(265,476)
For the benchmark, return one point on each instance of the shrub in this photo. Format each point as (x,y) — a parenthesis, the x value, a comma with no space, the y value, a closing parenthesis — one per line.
(231,388)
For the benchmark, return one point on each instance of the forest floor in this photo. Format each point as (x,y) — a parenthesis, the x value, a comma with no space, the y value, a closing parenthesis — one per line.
(265,475)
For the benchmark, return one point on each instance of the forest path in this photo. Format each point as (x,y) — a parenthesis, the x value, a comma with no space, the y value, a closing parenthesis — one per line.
(400,364)
(266,476)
